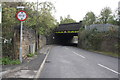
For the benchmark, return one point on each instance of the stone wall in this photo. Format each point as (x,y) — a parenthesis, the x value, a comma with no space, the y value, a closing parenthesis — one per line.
(42,41)
(50,39)
(29,41)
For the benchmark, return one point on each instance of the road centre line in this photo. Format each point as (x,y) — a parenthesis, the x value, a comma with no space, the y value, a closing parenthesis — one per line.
(78,54)
(75,53)
(66,48)
(98,64)
(108,69)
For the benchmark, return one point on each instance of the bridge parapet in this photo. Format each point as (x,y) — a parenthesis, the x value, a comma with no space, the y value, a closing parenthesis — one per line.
(68,28)
(66,32)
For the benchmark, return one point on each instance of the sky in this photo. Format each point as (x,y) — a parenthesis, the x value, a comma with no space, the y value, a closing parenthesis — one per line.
(77,9)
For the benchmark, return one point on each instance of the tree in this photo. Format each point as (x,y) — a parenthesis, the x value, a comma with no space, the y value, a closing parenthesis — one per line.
(9,21)
(41,20)
(67,19)
(89,18)
(118,15)
(105,15)
(113,20)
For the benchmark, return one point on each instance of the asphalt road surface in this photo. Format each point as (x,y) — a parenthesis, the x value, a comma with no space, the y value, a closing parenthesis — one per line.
(72,62)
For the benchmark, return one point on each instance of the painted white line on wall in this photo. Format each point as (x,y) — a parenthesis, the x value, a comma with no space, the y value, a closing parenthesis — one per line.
(108,69)
(78,54)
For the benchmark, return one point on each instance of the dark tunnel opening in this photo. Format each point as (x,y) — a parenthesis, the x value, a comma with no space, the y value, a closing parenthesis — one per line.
(65,34)
(66,39)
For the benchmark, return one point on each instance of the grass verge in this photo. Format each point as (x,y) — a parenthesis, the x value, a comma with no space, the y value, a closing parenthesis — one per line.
(107,53)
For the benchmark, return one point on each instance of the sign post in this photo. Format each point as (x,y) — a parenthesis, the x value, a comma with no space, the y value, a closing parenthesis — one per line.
(21,16)
(0,13)
(119,10)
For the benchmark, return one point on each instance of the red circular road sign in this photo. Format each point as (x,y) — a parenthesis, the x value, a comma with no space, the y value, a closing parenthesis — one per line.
(21,15)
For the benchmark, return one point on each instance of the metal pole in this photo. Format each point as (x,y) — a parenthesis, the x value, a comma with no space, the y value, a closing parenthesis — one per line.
(20,57)
(36,33)
(119,17)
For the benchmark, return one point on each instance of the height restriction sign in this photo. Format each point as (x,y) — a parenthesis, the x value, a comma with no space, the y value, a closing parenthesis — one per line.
(21,15)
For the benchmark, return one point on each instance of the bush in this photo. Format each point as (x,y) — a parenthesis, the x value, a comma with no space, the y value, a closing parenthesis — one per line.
(88,39)
(15,62)
(6,60)
(30,55)
(101,41)
(7,49)
(95,40)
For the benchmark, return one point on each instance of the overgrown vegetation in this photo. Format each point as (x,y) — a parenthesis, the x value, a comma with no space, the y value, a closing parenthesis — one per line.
(107,42)
(30,55)
(7,60)
(105,16)
(100,41)
(106,53)
(40,19)
(67,19)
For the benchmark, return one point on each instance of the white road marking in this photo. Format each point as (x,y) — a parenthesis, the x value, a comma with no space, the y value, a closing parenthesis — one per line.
(78,54)
(108,69)
(41,66)
(66,48)
(75,53)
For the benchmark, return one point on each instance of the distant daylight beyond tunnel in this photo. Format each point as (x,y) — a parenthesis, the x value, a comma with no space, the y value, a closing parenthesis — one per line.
(65,34)
(65,39)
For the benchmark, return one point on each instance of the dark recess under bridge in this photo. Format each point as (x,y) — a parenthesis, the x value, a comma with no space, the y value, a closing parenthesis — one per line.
(64,33)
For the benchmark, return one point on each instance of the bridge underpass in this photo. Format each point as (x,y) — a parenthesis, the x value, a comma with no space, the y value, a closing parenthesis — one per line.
(65,34)
(65,39)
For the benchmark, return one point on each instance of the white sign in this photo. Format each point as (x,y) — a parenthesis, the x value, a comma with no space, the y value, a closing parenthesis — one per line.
(21,15)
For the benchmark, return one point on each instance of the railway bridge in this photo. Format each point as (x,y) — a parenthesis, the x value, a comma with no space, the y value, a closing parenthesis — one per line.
(65,34)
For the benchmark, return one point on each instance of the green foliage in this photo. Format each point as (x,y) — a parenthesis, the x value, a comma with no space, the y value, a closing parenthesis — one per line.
(92,39)
(30,55)
(95,40)
(15,62)
(40,18)
(8,21)
(6,61)
(106,53)
(89,18)
(36,53)
(7,50)
(66,20)
(105,15)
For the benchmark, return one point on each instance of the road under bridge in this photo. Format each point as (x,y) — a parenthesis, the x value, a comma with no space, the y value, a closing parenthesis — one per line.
(65,34)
